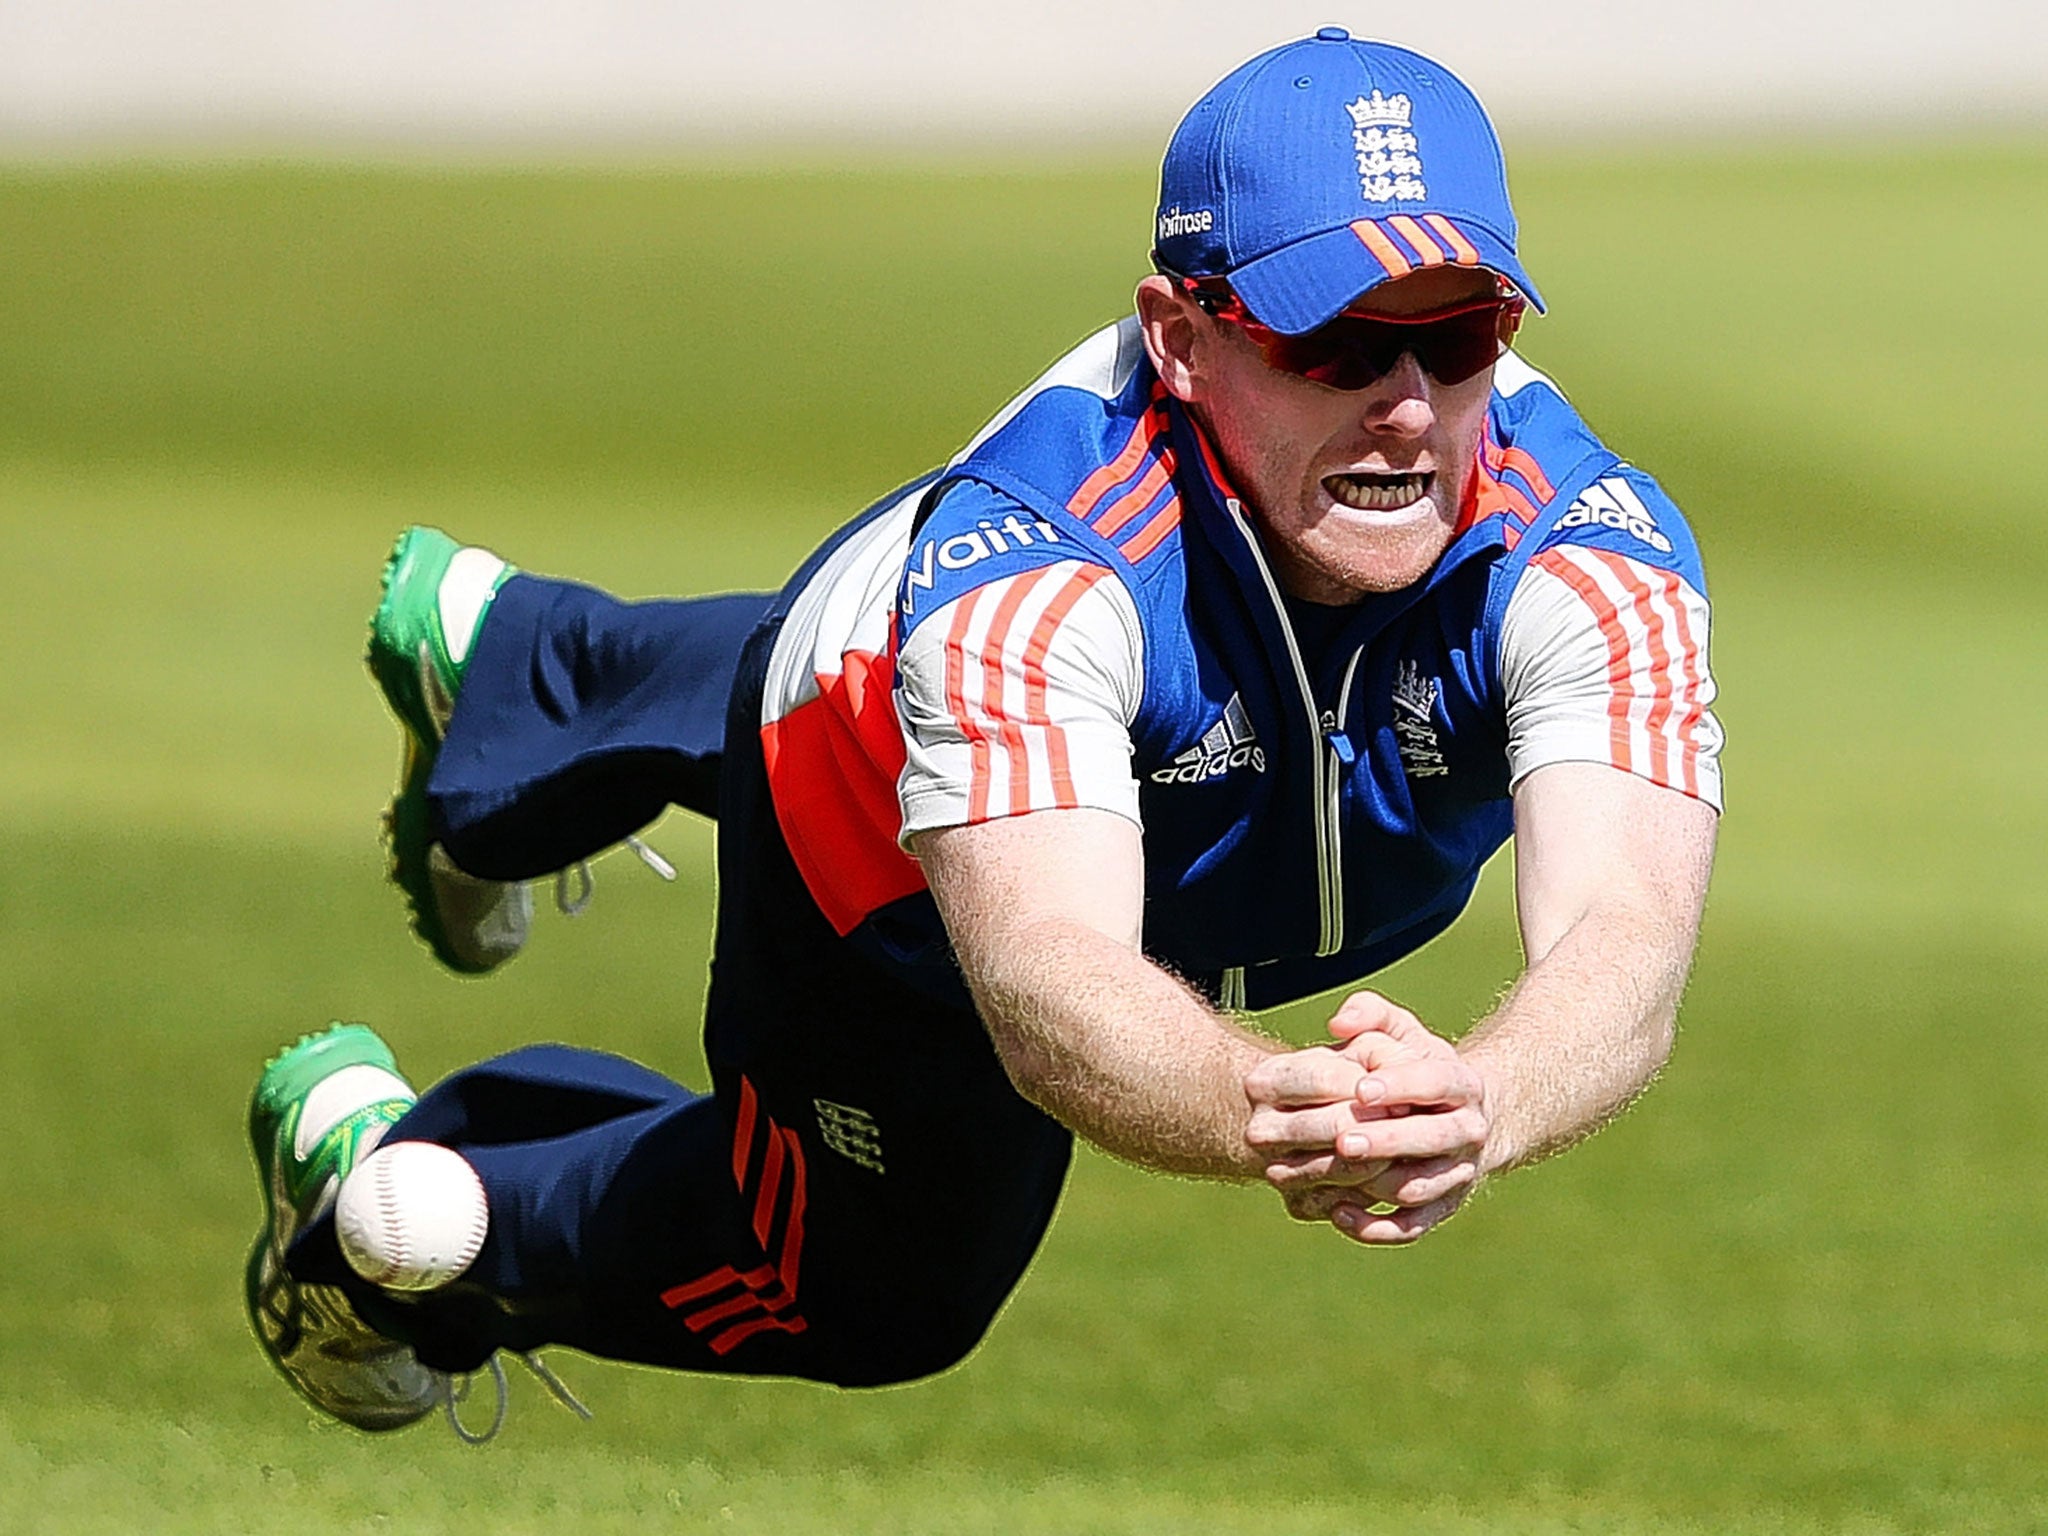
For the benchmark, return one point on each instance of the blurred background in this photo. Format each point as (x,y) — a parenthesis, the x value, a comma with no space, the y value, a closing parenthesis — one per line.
(656,296)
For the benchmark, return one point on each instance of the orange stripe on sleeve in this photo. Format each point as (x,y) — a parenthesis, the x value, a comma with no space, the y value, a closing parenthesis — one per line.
(1384,250)
(1622,699)
(992,678)
(956,704)
(1689,657)
(1527,467)
(1660,662)
(1137,498)
(1119,469)
(1462,250)
(1035,683)
(1149,537)
(1431,253)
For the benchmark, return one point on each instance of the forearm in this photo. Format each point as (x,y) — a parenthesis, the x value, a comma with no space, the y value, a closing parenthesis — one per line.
(1583,1032)
(1117,1050)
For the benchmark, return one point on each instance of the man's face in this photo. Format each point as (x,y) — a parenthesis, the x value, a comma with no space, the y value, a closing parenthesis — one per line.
(1353,491)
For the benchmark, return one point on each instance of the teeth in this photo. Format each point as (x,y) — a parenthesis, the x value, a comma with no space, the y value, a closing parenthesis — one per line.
(1378,493)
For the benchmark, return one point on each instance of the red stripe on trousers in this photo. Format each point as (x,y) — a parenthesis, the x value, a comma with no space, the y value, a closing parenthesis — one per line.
(729,1340)
(743,1133)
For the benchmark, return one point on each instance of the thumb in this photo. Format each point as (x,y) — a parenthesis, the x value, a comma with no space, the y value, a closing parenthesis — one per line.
(1368,1012)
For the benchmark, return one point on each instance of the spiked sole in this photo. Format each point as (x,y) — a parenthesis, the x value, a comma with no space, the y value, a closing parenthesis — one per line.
(404,644)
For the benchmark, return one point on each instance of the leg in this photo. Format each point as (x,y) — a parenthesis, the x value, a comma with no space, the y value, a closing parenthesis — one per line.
(580,719)
(852,1204)
(543,722)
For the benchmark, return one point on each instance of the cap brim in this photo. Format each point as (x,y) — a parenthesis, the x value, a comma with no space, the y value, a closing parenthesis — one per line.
(1304,285)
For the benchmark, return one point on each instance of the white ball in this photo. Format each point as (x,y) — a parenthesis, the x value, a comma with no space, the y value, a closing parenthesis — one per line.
(411,1216)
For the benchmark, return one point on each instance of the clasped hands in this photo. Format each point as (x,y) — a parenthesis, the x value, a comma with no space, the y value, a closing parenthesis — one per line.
(1382,1135)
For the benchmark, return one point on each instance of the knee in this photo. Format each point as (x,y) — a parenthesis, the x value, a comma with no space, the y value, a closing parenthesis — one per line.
(914,1341)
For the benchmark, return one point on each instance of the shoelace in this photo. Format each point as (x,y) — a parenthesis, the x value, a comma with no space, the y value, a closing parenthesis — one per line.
(455,1391)
(585,882)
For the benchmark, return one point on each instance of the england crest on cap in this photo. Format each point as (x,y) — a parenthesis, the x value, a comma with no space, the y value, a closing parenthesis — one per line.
(1327,166)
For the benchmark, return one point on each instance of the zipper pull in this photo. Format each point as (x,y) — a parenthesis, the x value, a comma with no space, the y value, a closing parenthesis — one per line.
(1340,744)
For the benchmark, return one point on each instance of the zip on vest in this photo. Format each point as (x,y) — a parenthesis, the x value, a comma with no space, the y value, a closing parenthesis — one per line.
(1327,730)
(1341,755)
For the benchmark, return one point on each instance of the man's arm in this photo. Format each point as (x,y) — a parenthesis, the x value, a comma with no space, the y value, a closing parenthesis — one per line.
(1610,879)
(1045,913)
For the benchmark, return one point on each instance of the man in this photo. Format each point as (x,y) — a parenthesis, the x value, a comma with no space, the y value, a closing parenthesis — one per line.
(1206,677)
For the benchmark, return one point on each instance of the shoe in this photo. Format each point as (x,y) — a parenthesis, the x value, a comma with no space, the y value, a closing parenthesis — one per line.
(319,1109)
(436,596)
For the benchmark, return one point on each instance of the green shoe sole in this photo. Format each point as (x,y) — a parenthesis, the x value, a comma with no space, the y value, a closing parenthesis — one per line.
(406,645)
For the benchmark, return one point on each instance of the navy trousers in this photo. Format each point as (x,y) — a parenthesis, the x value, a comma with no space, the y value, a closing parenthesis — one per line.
(861,1189)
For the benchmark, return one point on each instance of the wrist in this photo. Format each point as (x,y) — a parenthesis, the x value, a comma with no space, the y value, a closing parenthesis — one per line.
(1501,1149)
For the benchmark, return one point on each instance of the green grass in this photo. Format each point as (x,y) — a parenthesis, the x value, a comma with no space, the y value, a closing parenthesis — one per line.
(1796,1291)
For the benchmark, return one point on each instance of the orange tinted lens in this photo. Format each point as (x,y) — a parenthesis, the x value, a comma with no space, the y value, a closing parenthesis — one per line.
(1354,351)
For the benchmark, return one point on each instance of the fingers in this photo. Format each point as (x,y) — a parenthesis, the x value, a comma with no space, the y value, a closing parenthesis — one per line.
(1280,1133)
(1432,1082)
(1395,1229)
(1364,1012)
(1313,1193)
(1317,1075)
(1459,1131)
(1380,1222)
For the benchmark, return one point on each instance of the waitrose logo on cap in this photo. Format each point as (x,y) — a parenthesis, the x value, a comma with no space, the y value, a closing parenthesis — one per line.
(1173,222)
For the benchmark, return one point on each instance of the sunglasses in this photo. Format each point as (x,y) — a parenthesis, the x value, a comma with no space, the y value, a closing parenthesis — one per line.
(1357,349)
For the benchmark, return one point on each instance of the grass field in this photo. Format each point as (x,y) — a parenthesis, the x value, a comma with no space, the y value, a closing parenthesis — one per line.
(1798,1290)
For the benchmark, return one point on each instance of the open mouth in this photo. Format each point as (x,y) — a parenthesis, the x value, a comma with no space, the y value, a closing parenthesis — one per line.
(1371,492)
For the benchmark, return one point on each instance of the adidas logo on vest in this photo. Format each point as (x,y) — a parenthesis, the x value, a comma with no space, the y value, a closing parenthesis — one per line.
(1229,743)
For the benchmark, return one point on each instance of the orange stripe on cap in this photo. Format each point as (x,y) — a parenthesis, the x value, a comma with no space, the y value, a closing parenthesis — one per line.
(1383,249)
(1462,250)
(1431,253)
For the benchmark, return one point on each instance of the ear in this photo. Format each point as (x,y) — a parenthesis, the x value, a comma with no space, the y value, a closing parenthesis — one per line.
(1172,324)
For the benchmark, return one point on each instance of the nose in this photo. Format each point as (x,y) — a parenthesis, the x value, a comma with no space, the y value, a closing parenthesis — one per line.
(1402,403)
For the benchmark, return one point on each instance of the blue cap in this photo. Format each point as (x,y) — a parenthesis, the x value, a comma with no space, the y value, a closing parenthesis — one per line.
(1328,166)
